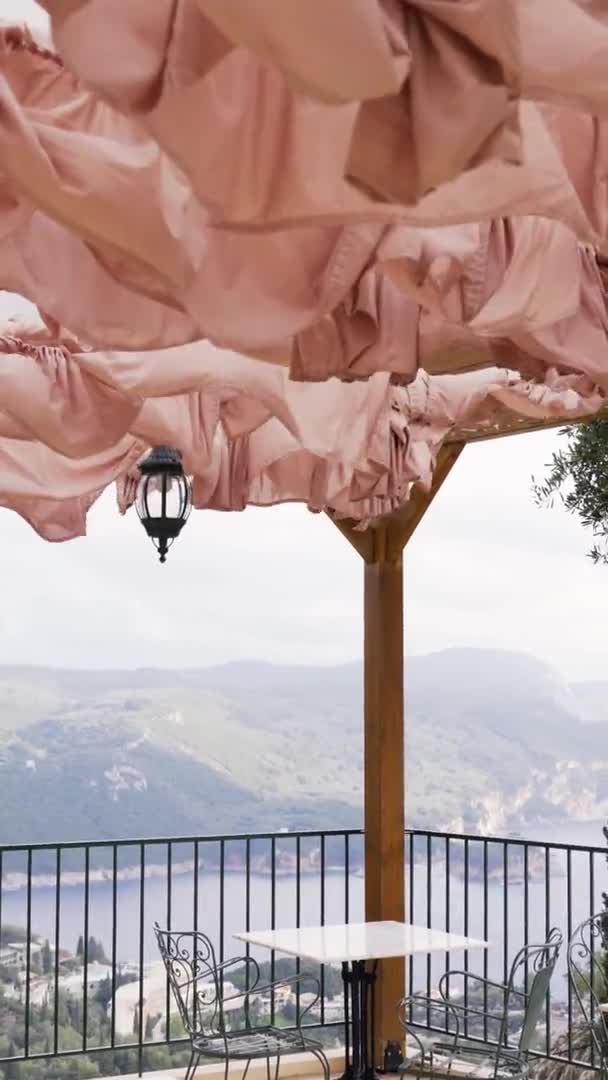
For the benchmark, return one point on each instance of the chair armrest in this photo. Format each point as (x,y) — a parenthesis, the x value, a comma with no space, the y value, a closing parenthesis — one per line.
(244,994)
(460,1014)
(469,976)
(243,961)
(288,980)
(422,1001)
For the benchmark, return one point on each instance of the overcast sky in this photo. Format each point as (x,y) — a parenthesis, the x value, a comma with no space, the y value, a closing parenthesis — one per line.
(485,568)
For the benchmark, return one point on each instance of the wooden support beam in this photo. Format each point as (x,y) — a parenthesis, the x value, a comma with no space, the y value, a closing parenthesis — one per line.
(397,528)
(381,549)
(513,424)
(403,524)
(361,540)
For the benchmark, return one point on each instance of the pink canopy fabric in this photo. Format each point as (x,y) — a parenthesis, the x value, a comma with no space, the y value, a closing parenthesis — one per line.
(105,232)
(395,211)
(281,112)
(73,422)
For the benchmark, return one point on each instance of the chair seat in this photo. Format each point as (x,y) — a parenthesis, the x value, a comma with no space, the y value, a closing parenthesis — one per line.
(466,1061)
(258,1043)
(481,1061)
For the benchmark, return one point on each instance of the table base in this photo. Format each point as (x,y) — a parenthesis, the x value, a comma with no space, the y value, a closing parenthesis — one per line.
(359,1020)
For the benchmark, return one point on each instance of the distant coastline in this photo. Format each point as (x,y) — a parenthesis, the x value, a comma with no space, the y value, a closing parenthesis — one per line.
(14,881)
(286,868)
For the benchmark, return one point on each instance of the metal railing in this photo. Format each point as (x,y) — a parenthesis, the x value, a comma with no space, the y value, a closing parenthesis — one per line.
(79,972)
(509,892)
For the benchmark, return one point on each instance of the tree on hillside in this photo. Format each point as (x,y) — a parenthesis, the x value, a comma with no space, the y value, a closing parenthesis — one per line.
(47,959)
(95,951)
(578,478)
(151,1022)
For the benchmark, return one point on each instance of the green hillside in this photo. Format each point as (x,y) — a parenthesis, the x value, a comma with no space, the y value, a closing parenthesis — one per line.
(252,746)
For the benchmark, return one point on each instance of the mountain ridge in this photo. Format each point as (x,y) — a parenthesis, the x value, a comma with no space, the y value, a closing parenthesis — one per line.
(248,745)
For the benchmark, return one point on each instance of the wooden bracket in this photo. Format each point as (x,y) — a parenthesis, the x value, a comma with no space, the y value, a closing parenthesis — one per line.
(385,541)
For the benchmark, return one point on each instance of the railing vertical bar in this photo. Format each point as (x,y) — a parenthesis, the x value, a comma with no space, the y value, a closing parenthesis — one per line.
(569,931)
(322,915)
(222,907)
(57,946)
(168,921)
(86,935)
(592,943)
(142,901)
(195,854)
(298,916)
(114,939)
(505,912)
(547,930)
(196,918)
(526,915)
(346,920)
(247,908)
(448,908)
(410,963)
(346,878)
(28,955)
(222,896)
(486,928)
(273,919)
(466,933)
(429,918)
(196,889)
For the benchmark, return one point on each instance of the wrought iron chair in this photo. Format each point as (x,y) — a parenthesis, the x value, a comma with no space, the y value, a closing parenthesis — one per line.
(491,1037)
(588,972)
(197,982)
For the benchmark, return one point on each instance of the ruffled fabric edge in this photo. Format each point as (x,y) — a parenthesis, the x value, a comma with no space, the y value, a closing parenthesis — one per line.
(355,449)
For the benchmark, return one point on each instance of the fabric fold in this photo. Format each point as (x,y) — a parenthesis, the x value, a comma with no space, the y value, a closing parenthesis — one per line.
(379,103)
(255,439)
(106,230)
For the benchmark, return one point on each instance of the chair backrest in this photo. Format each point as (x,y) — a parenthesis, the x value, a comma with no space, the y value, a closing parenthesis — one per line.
(588,972)
(532,968)
(189,959)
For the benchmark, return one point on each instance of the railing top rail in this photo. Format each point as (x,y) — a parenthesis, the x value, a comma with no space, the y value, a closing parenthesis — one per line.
(512,841)
(210,838)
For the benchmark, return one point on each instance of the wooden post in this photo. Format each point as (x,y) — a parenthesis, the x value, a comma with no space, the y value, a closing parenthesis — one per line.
(384,811)
(381,549)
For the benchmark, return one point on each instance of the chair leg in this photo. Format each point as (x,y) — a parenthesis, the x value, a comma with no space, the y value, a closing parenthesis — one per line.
(192,1065)
(322,1059)
(247,1064)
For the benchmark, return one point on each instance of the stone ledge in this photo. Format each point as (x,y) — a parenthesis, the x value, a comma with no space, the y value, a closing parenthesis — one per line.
(293,1065)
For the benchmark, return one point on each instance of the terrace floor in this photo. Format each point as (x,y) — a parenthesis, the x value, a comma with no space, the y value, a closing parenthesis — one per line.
(296,1067)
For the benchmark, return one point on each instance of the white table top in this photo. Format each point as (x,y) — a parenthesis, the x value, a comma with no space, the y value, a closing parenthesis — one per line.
(358,941)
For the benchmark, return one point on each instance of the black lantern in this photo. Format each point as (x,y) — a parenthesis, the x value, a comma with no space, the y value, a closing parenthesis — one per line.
(164,497)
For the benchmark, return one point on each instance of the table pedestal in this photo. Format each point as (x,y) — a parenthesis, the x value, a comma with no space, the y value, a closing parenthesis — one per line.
(359,1020)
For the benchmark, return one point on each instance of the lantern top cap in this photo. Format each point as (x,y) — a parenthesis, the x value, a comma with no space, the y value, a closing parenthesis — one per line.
(166,459)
